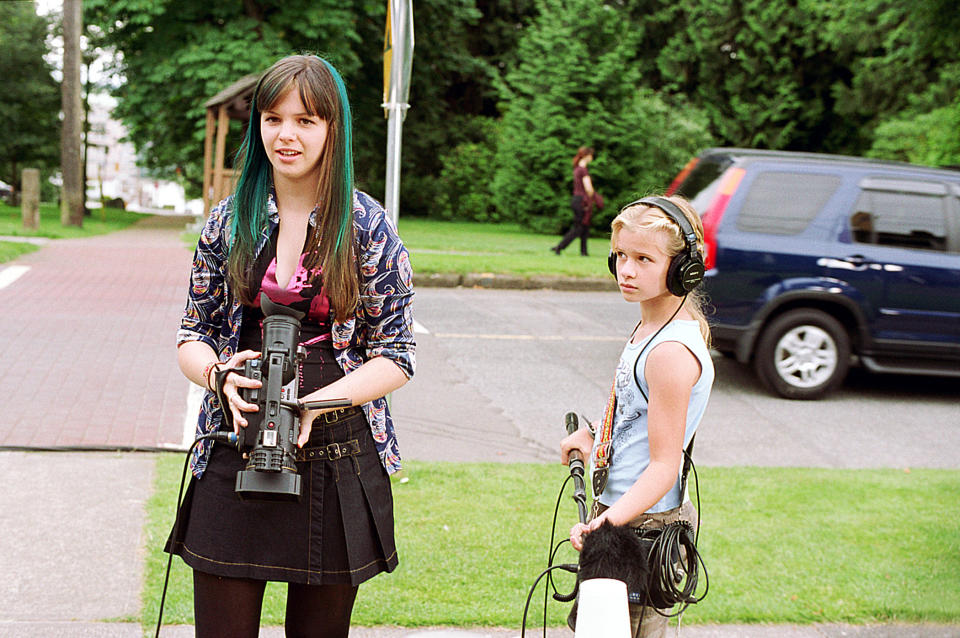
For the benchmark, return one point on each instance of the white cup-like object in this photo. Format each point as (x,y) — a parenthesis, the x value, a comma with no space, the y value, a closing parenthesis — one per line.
(602,610)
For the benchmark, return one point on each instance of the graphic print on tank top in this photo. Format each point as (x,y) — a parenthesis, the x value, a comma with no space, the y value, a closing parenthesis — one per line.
(626,430)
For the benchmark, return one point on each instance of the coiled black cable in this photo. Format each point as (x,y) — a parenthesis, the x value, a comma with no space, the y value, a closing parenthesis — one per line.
(674,560)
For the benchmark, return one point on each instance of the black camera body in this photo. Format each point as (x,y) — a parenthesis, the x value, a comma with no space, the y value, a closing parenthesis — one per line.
(270,438)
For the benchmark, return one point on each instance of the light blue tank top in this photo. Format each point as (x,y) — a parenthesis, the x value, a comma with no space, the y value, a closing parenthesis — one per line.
(631,446)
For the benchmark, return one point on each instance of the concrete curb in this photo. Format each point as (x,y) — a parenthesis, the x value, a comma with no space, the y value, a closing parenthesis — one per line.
(496,281)
(37,241)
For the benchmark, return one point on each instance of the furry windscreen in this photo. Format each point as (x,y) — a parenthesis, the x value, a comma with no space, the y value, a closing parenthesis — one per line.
(615,552)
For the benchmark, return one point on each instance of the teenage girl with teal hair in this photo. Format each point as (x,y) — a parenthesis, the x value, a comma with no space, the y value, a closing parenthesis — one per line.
(298,231)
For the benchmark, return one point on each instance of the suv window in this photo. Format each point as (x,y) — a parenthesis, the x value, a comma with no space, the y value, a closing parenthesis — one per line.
(703,181)
(784,203)
(907,220)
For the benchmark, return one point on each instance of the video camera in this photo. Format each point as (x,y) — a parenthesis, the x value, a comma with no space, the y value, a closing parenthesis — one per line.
(270,438)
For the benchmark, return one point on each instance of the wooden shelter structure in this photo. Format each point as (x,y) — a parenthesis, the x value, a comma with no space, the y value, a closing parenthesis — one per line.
(232,103)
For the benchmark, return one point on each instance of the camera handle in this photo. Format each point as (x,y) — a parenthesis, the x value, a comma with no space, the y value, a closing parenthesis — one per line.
(321,404)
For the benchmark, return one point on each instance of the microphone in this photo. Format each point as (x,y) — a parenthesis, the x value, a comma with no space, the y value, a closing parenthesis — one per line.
(575,459)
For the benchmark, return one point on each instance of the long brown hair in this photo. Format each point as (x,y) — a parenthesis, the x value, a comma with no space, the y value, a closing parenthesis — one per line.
(329,243)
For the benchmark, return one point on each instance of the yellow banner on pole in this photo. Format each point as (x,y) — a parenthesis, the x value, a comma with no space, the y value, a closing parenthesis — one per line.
(387,58)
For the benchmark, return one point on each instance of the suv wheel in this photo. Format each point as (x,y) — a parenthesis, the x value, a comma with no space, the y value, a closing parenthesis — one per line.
(803,354)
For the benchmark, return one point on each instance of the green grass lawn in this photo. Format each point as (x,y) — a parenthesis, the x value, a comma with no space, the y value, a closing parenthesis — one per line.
(467,247)
(10,250)
(780,545)
(99,222)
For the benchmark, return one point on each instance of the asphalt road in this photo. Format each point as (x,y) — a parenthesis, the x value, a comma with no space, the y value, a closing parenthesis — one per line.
(498,369)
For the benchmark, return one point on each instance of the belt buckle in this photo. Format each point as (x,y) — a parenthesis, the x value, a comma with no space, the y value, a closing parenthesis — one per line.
(331,417)
(333,451)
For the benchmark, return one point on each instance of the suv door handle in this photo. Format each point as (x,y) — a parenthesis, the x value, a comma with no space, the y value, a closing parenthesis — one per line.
(851,262)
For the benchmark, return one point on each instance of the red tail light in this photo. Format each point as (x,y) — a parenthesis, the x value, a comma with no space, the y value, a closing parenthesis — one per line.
(682,175)
(711,218)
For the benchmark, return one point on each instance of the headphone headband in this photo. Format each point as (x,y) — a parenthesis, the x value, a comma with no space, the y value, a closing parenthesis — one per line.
(673,212)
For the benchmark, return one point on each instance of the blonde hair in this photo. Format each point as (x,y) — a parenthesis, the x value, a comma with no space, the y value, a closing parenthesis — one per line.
(641,217)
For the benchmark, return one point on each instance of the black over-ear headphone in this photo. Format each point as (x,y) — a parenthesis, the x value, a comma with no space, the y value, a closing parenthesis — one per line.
(686,268)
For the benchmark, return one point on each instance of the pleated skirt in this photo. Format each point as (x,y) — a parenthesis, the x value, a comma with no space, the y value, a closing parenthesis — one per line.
(340,532)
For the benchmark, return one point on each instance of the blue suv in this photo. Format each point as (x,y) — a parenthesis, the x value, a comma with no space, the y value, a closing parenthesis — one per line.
(816,261)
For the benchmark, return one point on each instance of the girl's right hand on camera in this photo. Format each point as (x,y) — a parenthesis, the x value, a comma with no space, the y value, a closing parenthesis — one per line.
(231,388)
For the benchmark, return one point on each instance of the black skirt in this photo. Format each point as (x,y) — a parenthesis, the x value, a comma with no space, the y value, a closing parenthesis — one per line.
(340,532)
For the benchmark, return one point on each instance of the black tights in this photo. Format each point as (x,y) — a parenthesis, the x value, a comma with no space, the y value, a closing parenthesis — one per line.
(230,608)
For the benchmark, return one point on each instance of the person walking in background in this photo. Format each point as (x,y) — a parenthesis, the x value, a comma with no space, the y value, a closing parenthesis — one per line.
(584,200)
(296,230)
(662,383)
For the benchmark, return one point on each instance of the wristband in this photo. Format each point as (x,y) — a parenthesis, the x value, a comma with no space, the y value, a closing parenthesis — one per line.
(206,374)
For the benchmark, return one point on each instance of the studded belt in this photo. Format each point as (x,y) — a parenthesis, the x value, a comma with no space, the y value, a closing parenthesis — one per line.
(340,414)
(329,452)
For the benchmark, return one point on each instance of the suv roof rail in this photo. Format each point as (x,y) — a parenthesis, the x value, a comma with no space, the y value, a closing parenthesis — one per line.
(738,152)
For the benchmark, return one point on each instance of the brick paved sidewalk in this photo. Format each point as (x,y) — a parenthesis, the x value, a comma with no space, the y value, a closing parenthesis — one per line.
(87,341)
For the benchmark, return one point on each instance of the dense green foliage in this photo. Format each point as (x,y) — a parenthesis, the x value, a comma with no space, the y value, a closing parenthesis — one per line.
(31,97)
(571,88)
(179,53)
(503,92)
(903,75)
(760,69)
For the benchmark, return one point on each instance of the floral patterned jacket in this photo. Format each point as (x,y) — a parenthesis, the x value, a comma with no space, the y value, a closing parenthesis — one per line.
(381,326)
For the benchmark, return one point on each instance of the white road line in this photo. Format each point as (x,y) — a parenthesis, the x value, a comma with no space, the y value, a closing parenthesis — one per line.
(419,328)
(465,335)
(10,274)
(194,397)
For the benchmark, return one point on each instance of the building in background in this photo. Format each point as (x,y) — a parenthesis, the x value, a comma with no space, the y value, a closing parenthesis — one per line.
(112,168)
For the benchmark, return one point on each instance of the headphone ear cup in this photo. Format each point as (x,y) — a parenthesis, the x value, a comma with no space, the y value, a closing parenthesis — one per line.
(684,274)
(612,263)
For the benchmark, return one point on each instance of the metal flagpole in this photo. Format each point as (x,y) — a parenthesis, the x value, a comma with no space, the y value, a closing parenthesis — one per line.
(397,65)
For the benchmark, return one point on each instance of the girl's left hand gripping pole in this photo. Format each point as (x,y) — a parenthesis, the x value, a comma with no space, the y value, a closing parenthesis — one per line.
(576,469)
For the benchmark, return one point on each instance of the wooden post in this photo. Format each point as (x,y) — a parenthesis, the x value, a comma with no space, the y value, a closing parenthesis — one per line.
(223,125)
(30,198)
(208,163)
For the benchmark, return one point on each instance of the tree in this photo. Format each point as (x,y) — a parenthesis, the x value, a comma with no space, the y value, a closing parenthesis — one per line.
(73,192)
(571,87)
(763,70)
(463,47)
(927,131)
(175,54)
(905,76)
(31,97)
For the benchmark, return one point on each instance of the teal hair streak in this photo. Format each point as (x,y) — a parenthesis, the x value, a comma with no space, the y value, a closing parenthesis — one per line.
(253,186)
(347,201)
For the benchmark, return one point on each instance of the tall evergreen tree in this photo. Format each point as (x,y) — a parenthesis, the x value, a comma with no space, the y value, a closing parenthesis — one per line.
(571,87)
(904,76)
(763,71)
